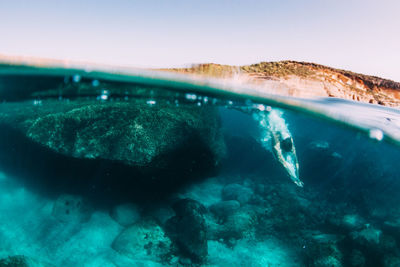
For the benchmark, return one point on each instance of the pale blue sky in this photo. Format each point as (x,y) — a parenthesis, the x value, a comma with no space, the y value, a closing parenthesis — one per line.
(362,36)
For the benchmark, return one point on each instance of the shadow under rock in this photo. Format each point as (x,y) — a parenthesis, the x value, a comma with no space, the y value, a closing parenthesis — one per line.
(103,182)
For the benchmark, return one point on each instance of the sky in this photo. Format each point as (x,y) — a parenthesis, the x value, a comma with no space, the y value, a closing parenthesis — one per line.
(358,35)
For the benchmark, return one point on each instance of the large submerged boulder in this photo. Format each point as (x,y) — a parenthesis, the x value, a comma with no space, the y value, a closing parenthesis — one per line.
(98,142)
(136,134)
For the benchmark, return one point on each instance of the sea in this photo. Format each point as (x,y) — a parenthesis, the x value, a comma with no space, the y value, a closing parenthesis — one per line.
(120,167)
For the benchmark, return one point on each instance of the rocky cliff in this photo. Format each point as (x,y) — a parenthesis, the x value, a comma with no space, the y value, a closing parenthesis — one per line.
(302,79)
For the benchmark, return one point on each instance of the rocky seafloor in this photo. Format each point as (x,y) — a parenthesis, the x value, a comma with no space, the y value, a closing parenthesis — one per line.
(245,212)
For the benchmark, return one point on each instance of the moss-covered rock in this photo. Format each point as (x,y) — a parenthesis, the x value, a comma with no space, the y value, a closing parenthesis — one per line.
(132,140)
(135,134)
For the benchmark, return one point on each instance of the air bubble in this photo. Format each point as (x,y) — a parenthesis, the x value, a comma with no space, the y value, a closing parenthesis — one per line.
(104,95)
(76,78)
(260,107)
(151,102)
(37,102)
(191,97)
(95,83)
(376,134)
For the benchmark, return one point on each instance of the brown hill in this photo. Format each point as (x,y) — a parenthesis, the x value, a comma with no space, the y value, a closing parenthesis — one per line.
(302,79)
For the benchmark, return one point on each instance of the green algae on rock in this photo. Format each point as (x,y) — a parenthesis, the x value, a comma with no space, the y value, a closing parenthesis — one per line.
(134,134)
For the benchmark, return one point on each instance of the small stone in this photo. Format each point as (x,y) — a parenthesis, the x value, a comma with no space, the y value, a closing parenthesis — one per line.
(71,208)
(125,214)
(144,240)
(237,192)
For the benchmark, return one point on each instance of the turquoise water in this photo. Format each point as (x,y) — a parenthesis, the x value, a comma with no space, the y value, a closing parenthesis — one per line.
(105,169)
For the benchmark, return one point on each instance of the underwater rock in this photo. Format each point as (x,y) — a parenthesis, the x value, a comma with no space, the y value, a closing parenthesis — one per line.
(144,240)
(21,261)
(224,208)
(213,228)
(71,208)
(207,192)
(239,224)
(369,236)
(323,254)
(328,261)
(286,212)
(237,192)
(125,214)
(352,221)
(132,133)
(151,145)
(188,229)
(349,222)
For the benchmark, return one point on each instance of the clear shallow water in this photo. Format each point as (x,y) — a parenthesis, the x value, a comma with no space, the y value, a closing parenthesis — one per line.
(111,170)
